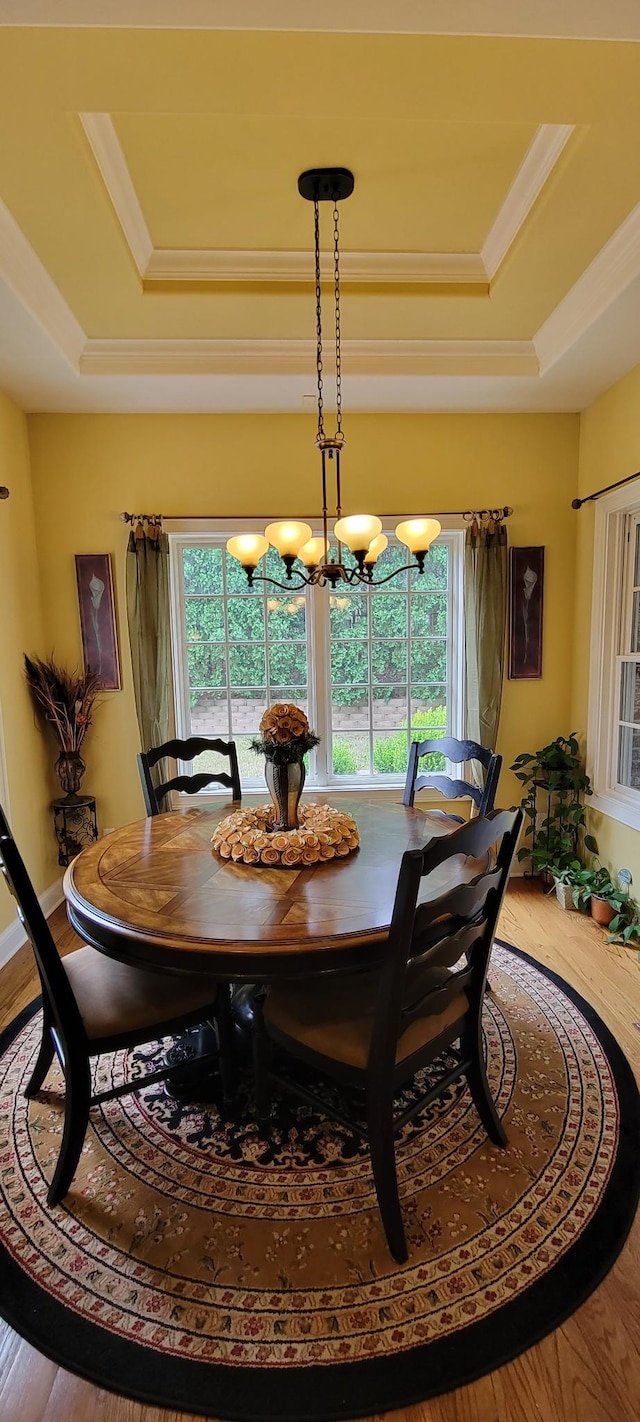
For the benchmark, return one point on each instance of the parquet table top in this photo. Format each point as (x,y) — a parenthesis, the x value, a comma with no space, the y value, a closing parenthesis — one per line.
(154,891)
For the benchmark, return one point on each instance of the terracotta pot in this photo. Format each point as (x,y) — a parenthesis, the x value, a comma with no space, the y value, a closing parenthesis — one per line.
(601,911)
(70,768)
(285,784)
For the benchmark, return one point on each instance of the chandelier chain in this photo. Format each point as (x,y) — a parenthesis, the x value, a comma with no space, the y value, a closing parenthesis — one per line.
(316,228)
(336,282)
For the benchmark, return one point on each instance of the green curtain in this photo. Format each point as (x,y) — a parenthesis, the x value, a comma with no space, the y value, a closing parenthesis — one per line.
(485,612)
(149,632)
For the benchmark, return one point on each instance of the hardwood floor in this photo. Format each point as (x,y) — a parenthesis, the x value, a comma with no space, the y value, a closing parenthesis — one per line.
(587,1371)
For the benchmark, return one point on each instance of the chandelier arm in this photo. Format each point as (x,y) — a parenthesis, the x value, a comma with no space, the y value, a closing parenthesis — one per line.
(286,587)
(378,582)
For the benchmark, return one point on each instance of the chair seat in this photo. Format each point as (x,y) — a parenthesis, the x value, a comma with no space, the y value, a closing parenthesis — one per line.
(334,1015)
(115,999)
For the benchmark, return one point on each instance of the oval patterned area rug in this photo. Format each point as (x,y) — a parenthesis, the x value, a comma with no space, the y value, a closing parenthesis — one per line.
(196,1265)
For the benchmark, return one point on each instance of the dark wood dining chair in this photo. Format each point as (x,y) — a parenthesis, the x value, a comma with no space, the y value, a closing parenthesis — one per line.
(93,1004)
(458,752)
(191,784)
(374,1030)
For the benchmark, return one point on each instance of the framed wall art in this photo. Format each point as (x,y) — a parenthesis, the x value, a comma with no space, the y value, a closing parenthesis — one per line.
(98,618)
(526,585)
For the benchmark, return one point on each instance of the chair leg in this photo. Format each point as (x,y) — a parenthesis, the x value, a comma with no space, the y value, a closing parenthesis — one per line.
(44,1058)
(479,1088)
(261,1065)
(383,1164)
(76,1118)
(226,1045)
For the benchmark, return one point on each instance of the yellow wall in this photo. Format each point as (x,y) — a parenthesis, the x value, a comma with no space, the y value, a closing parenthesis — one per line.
(87,469)
(609,450)
(21,630)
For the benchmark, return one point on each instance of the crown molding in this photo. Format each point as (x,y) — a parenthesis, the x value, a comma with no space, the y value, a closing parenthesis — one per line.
(113,168)
(466,269)
(573,19)
(293,357)
(616,265)
(538,163)
(30,281)
(378,268)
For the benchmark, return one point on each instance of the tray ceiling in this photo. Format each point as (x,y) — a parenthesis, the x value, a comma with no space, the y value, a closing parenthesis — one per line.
(151,233)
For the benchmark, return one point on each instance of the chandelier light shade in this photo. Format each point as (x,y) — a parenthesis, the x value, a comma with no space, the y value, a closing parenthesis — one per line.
(312,560)
(248,548)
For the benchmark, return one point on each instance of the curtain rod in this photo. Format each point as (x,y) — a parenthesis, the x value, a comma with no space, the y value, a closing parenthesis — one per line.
(577,503)
(499,513)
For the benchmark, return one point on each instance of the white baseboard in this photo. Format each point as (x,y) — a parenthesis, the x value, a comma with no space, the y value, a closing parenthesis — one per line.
(14,936)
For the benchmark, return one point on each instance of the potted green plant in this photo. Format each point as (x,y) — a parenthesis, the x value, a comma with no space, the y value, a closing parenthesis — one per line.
(593,882)
(565,878)
(624,926)
(555,784)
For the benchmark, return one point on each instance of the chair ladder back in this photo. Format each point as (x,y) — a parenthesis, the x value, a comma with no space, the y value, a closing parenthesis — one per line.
(473,911)
(187,750)
(457,752)
(56,988)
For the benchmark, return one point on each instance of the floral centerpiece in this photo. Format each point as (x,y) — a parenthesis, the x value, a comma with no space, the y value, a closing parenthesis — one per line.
(285,738)
(65,701)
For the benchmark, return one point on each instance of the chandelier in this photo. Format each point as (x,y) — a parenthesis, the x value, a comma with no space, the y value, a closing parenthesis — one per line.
(309,561)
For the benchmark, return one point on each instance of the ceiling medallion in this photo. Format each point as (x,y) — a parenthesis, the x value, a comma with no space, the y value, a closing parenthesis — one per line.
(317,562)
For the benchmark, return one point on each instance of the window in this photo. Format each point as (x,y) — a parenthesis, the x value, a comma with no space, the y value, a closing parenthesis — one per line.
(371,667)
(614,703)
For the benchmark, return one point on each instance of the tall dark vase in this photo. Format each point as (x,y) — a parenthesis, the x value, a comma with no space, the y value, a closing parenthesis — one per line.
(70,768)
(285,784)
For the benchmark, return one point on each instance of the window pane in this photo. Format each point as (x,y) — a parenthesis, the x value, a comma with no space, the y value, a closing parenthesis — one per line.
(635,624)
(349,708)
(288,663)
(349,662)
(245,619)
(298,694)
(202,570)
(428,661)
(630,692)
(247,665)
(429,706)
(204,619)
(389,661)
(391,753)
(636,565)
(389,707)
(286,617)
(206,666)
(629,758)
(250,764)
(247,707)
(388,615)
(436,570)
(395,556)
(429,615)
(349,614)
(351,754)
(209,713)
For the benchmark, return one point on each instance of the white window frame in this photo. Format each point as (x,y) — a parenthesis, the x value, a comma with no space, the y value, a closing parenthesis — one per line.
(616,515)
(321,777)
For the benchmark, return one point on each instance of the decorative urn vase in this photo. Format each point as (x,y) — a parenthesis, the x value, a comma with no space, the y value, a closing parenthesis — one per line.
(70,768)
(285,784)
(284,741)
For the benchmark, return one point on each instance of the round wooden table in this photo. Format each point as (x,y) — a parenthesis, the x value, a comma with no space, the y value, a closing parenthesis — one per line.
(154,893)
